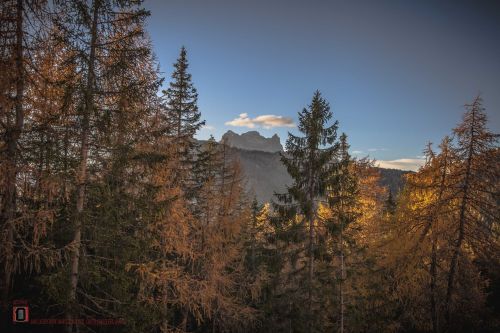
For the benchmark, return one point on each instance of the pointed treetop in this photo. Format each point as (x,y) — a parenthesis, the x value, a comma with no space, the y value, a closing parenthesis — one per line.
(390,204)
(344,147)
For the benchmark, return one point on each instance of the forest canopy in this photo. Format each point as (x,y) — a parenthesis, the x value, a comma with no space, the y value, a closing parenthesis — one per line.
(111,209)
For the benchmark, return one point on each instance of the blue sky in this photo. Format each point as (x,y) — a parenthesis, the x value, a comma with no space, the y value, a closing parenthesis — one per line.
(396,73)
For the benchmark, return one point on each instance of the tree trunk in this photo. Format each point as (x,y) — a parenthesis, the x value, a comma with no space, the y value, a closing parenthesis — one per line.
(454,260)
(11,141)
(433,271)
(82,172)
(252,244)
(310,271)
(184,320)
(342,277)
(164,323)
(311,217)
(64,111)
(311,257)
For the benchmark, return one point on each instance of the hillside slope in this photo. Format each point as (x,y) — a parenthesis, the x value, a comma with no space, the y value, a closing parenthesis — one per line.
(265,174)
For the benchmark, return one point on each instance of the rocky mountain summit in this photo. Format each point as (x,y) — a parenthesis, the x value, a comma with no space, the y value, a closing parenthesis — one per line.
(265,173)
(253,141)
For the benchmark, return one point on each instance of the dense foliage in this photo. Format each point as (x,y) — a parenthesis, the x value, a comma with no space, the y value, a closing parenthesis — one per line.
(110,209)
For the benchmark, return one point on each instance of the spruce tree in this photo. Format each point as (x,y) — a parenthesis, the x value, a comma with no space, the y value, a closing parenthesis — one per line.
(208,161)
(342,197)
(390,204)
(182,115)
(310,161)
(255,208)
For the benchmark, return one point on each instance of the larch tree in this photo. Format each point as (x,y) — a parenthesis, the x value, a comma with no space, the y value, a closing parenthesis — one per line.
(367,283)
(445,232)
(20,22)
(110,208)
(439,166)
(221,220)
(475,181)
(425,206)
(193,274)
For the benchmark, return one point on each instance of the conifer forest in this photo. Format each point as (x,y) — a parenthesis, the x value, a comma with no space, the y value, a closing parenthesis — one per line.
(114,217)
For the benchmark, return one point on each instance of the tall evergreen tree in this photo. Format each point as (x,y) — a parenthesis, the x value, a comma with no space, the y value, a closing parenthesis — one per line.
(310,161)
(390,204)
(109,208)
(182,115)
(342,199)
(103,36)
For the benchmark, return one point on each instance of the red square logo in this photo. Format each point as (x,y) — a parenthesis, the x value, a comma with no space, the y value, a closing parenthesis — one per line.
(20,314)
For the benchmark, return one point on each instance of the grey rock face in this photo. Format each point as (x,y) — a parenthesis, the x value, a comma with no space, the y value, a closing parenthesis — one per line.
(264,172)
(253,141)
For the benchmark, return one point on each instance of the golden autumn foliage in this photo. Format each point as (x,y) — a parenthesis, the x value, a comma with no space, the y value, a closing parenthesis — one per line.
(111,208)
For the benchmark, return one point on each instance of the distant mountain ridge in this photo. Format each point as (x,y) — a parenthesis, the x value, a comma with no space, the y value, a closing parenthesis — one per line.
(253,141)
(265,173)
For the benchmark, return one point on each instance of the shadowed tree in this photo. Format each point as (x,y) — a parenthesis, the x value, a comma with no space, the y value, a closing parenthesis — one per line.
(182,116)
(309,160)
(19,30)
(102,34)
(342,199)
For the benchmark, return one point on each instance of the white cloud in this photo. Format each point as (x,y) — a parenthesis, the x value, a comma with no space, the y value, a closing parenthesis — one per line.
(357,152)
(377,149)
(242,121)
(411,164)
(208,127)
(267,121)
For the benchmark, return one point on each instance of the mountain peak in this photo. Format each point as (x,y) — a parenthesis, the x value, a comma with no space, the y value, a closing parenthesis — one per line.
(253,140)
